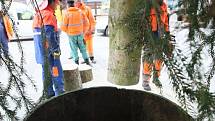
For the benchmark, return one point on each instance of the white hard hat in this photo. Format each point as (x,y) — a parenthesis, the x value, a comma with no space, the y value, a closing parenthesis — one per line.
(42,4)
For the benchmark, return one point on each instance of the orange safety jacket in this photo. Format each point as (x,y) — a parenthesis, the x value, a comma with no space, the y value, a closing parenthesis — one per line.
(74,22)
(88,12)
(8,27)
(48,18)
(163,17)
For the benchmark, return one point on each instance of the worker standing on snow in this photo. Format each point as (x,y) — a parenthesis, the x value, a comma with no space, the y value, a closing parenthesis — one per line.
(49,22)
(158,30)
(75,24)
(88,37)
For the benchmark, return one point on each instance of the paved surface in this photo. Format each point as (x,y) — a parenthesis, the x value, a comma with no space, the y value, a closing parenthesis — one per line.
(101,49)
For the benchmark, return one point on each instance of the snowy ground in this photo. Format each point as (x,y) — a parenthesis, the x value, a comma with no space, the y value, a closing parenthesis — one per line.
(101,49)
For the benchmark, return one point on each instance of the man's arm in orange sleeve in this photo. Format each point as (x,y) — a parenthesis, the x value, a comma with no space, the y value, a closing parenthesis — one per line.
(167,25)
(166,22)
(91,19)
(64,24)
(86,24)
(9,27)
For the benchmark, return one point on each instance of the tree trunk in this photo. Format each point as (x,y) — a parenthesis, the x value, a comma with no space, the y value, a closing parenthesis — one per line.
(85,73)
(72,79)
(124,61)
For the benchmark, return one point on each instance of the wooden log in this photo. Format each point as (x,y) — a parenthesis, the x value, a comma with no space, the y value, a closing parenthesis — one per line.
(72,79)
(86,73)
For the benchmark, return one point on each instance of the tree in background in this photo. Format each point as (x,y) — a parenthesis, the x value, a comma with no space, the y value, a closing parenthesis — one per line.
(130,31)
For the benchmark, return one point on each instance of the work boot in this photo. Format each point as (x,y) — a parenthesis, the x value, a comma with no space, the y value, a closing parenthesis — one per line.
(77,62)
(146,86)
(92,59)
(157,82)
(87,62)
(145,83)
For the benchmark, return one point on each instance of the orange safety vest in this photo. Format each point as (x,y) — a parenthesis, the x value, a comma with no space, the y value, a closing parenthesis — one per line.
(74,22)
(48,18)
(8,27)
(88,12)
(163,17)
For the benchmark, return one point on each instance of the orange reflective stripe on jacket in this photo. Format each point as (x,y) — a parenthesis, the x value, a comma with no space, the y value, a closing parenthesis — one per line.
(8,27)
(48,18)
(88,12)
(74,22)
(163,17)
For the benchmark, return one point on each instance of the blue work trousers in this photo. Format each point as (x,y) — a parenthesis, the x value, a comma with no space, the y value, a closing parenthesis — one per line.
(56,85)
(3,41)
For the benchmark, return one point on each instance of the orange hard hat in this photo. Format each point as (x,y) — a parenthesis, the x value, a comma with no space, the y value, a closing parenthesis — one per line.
(44,3)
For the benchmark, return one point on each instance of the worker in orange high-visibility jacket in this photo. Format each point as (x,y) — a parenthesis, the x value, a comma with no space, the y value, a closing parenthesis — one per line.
(75,24)
(6,33)
(158,30)
(88,37)
(45,18)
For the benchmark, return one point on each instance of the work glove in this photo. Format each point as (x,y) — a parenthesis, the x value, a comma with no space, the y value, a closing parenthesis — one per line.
(93,31)
(55,70)
(88,32)
(56,55)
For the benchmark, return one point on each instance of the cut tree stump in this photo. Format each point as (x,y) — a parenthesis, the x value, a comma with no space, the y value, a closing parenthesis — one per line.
(72,79)
(86,73)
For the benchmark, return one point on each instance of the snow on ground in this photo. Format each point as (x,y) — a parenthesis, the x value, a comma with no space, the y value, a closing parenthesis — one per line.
(101,50)
(101,45)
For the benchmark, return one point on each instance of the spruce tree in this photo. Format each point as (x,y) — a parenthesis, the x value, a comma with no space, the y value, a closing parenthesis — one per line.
(130,30)
(15,81)
(191,84)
